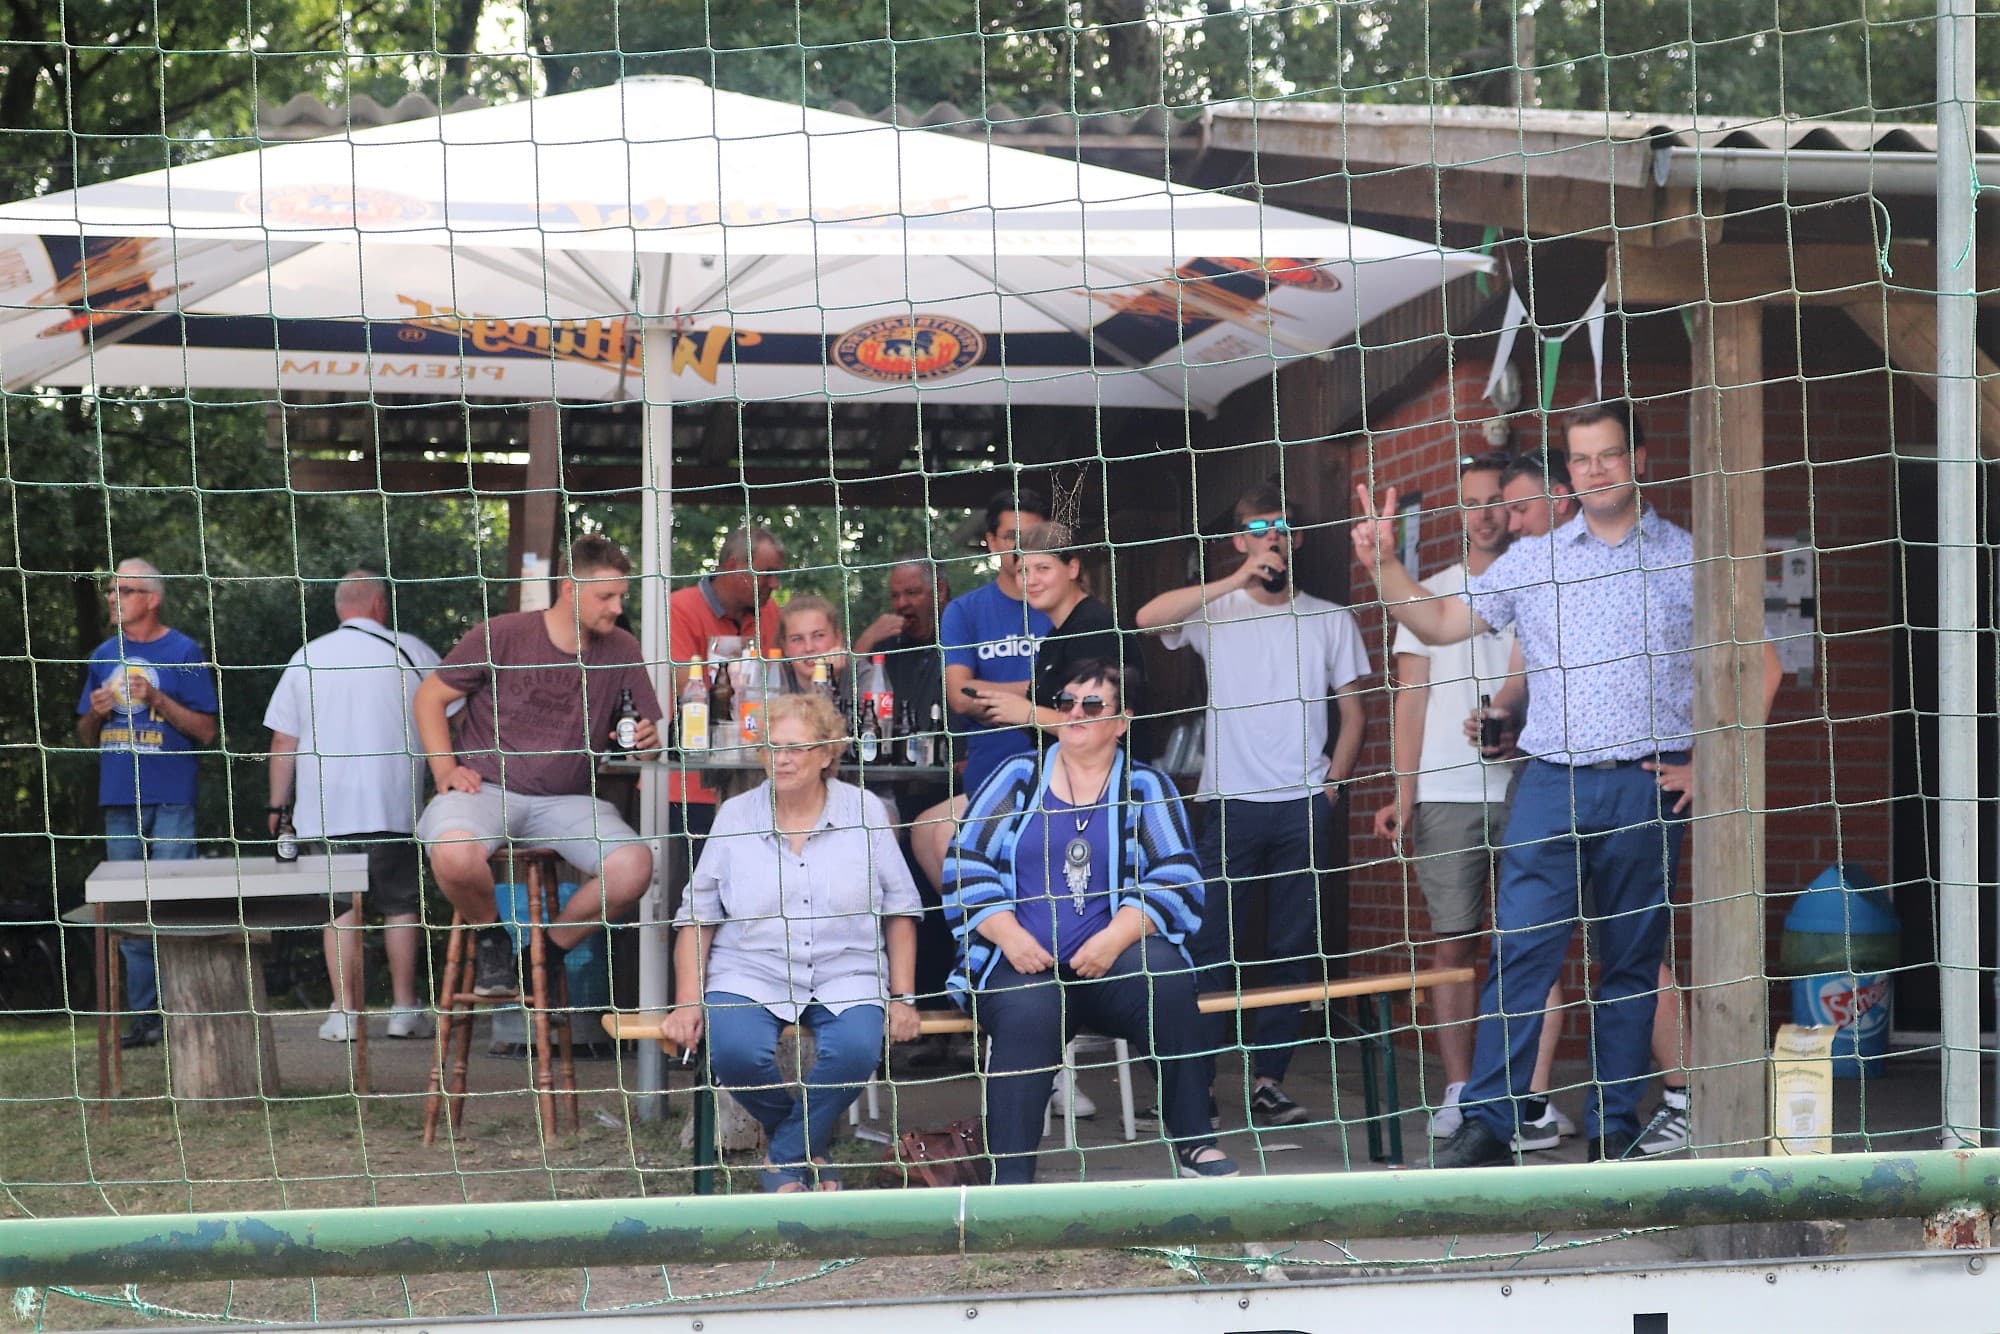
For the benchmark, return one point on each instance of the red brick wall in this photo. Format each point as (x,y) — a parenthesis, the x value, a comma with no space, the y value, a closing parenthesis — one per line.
(1829,481)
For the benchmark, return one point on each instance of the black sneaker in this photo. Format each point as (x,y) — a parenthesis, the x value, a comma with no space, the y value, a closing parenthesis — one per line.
(1668,1131)
(1269,1106)
(1472,1145)
(141,1033)
(493,963)
(1612,1147)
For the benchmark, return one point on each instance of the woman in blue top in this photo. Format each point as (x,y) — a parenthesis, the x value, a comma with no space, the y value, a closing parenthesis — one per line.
(1072,889)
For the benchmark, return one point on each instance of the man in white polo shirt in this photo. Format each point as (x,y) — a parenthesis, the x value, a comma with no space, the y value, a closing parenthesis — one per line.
(344,758)
(1270,780)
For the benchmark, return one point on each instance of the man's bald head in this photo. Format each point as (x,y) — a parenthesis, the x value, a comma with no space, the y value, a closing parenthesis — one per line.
(362,593)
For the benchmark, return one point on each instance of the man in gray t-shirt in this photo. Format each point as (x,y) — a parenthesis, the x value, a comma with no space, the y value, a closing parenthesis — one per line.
(541,689)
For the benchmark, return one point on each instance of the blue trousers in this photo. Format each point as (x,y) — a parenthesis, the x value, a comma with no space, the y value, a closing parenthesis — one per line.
(1147,998)
(743,1050)
(1250,850)
(135,833)
(1615,828)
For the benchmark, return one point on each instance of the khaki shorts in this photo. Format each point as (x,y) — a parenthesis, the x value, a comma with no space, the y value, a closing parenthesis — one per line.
(1457,844)
(580,829)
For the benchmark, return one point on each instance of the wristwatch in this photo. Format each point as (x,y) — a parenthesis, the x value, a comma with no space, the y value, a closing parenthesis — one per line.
(908,998)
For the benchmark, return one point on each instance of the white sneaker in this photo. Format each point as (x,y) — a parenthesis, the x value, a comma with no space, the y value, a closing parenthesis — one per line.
(1446,1120)
(340,1026)
(410,1022)
(1059,1100)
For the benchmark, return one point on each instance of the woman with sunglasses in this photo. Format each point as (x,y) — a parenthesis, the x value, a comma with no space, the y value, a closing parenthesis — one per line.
(1072,890)
(1084,630)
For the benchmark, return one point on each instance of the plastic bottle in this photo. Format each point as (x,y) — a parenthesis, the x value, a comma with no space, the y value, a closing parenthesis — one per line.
(751,692)
(694,709)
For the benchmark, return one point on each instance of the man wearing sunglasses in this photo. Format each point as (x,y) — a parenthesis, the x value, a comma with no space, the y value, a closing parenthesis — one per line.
(1270,776)
(148,700)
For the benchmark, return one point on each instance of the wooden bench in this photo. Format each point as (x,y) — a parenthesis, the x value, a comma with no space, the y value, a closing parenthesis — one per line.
(1374,996)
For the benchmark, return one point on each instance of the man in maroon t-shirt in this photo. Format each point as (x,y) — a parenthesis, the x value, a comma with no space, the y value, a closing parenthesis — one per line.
(541,690)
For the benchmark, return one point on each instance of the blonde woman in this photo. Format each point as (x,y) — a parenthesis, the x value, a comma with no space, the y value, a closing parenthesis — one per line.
(800,911)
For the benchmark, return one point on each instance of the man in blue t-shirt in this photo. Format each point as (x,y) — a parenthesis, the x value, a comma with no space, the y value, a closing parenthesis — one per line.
(989,637)
(148,700)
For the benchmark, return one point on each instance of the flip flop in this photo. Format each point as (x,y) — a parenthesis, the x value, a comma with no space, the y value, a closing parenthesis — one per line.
(827,1175)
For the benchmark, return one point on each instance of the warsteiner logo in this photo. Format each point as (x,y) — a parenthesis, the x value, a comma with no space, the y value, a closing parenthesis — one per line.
(900,349)
(333,206)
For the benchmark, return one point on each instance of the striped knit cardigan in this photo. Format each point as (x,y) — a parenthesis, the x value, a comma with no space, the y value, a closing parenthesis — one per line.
(1153,863)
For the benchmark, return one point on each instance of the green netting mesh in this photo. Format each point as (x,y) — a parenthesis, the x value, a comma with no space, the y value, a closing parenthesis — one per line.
(296,296)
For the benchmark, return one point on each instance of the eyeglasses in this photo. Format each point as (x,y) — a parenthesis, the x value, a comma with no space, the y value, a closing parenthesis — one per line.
(1259,527)
(1594,462)
(1093,705)
(122,591)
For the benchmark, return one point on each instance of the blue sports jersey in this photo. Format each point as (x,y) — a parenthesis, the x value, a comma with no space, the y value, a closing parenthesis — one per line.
(995,636)
(143,760)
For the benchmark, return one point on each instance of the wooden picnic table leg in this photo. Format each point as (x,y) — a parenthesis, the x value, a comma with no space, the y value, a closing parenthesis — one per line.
(106,1031)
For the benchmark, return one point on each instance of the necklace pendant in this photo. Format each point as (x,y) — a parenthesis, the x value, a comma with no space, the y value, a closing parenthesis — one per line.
(1076,870)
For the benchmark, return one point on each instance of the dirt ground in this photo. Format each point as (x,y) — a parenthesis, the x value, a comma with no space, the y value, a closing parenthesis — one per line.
(320,1145)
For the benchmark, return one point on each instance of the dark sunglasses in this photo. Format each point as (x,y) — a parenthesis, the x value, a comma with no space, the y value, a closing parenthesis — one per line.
(1259,527)
(1093,705)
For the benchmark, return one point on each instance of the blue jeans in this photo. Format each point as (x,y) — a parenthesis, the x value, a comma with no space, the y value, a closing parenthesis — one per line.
(1250,850)
(135,833)
(1147,998)
(1615,828)
(743,1050)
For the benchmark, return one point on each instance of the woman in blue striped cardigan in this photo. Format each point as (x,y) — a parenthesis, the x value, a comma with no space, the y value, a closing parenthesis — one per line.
(1072,890)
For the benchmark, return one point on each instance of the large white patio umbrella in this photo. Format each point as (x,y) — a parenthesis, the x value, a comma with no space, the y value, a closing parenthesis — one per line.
(662,239)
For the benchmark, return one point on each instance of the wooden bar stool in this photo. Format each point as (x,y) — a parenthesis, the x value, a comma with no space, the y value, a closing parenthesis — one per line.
(457,1005)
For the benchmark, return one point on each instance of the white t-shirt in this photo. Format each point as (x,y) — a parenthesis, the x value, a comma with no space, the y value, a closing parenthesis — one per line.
(346,697)
(1271,671)
(1451,769)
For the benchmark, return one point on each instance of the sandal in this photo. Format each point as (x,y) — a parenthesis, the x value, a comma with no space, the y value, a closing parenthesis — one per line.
(1191,1163)
(826,1176)
(781,1180)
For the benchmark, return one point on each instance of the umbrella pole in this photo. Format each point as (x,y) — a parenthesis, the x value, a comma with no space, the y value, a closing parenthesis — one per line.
(656,359)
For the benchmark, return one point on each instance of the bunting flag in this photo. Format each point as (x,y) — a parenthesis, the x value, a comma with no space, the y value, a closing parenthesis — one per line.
(1591,321)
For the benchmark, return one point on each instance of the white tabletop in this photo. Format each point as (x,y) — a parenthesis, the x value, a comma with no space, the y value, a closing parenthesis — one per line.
(226,878)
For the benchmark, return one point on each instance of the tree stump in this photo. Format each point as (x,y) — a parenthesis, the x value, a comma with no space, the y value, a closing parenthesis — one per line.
(219,1042)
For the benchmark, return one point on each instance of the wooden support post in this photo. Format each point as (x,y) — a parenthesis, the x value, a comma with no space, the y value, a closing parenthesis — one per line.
(1726,980)
(541,506)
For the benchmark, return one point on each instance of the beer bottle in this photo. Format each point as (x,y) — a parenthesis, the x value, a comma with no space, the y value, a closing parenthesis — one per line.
(288,836)
(625,724)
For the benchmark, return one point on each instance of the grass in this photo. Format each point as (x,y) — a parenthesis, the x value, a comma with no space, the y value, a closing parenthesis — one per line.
(324,1147)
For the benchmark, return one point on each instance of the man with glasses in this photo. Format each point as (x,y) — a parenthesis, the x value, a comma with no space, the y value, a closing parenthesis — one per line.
(1269,780)
(1604,613)
(148,700)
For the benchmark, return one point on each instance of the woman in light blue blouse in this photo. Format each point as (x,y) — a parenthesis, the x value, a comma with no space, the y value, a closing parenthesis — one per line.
(800,911)
(1072,888)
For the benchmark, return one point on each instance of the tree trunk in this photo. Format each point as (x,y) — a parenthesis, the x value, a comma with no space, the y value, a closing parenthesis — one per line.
(219,1041)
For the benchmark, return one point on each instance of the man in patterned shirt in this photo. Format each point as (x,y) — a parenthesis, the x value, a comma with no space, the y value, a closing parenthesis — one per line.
(1603,609)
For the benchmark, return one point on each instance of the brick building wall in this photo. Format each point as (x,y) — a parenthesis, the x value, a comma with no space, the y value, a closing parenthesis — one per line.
(1829,484)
